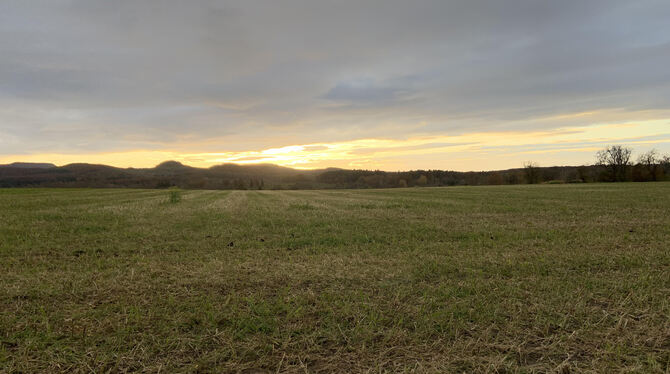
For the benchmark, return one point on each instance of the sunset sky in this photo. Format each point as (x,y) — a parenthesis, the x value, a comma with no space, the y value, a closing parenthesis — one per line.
(391,85)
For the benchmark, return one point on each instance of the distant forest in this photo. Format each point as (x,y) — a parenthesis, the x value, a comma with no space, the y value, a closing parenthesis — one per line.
(613,164)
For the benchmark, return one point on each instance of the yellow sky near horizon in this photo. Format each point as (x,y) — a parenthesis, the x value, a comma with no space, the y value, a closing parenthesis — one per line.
(474,151)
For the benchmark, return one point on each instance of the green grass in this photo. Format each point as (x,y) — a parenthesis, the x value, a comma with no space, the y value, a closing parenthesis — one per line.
(564,278)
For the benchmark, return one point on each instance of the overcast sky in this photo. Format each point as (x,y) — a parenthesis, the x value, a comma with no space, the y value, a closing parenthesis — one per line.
(467,84)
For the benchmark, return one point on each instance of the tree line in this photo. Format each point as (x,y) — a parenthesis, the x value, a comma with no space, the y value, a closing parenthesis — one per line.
(613,164)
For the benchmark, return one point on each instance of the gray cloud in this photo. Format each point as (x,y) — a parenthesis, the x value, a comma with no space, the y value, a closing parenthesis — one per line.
(361,91)
(371,150)
(82,75)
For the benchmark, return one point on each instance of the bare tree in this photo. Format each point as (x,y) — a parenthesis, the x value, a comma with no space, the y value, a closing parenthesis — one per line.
(616,159)
(665,164)
(650,163)
(531,171)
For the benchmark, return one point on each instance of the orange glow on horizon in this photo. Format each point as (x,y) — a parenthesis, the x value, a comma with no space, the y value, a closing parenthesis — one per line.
(474,151)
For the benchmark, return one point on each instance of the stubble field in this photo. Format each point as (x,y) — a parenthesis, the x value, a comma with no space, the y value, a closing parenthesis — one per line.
(507,279)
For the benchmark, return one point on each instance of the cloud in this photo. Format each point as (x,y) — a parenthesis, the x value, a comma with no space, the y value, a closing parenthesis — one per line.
(362,92)
(315,148)
(396,149)
(93,75)
(245,159)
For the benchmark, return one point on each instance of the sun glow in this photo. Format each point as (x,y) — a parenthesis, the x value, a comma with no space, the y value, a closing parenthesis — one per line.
(474,151)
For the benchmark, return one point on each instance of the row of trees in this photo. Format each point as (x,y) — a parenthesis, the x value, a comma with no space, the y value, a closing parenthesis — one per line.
(613,164)
(650,166)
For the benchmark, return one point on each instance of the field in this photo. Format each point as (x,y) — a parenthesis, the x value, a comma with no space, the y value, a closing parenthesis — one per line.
(507,279)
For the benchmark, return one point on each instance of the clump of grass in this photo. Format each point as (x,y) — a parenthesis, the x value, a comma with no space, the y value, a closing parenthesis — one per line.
(302,206)
(174,195)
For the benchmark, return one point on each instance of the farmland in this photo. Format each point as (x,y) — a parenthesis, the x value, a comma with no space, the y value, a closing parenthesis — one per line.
(565,278)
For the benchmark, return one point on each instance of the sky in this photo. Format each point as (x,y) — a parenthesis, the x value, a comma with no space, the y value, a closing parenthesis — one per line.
(390,85)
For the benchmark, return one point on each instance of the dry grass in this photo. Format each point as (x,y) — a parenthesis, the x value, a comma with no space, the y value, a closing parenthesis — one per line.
(479,279)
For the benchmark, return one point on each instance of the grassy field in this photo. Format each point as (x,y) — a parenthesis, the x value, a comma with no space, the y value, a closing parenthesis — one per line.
(563,278)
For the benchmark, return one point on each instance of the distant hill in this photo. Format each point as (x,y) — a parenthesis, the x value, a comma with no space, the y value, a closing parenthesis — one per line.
(166,174)
(29,165)
(268,176)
